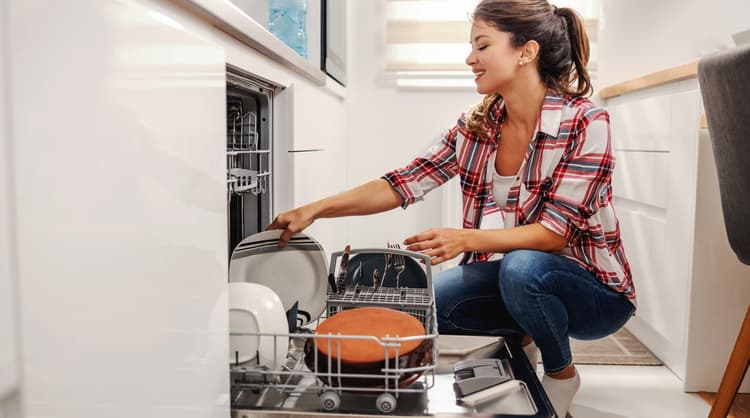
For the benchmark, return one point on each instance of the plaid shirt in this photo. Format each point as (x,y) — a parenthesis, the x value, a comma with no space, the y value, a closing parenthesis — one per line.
(564,183)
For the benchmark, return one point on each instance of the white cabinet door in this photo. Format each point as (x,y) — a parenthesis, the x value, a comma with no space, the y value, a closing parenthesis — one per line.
(641,124)
(8,320)
(641,177)
(120,181)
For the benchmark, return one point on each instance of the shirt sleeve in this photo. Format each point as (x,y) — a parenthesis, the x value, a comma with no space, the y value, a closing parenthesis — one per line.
(436,166)
(581,183)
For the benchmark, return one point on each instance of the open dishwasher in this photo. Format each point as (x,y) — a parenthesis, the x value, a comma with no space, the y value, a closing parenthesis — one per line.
(305,385)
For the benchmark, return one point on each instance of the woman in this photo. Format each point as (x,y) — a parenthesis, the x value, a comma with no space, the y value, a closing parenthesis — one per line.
(535,163)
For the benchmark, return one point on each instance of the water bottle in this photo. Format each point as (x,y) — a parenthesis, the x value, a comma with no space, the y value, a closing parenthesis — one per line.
(287,20)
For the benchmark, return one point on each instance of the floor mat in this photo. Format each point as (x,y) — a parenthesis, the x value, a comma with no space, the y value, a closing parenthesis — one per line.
(620,348)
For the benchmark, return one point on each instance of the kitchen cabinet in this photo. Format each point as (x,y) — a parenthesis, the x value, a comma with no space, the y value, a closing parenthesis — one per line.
(9,371)
(118,128)
(334,39)
(692,291)
(258,11)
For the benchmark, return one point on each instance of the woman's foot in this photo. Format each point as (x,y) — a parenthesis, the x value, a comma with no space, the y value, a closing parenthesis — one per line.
(561,388)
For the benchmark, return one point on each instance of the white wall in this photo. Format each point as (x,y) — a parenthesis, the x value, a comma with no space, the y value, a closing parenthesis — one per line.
(388,127)
(643,36)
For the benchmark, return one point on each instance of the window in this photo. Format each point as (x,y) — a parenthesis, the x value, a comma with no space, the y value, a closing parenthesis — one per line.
(427,41)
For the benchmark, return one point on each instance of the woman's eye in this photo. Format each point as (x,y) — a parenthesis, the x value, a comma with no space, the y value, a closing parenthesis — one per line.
(481,48)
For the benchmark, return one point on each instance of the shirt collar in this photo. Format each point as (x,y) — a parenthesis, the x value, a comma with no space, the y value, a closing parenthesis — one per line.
(552,108)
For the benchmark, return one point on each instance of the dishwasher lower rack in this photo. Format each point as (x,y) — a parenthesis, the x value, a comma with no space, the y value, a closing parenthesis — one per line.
(299,382)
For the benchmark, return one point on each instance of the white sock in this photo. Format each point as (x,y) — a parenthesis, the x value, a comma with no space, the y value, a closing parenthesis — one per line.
(532,353)
(561,392)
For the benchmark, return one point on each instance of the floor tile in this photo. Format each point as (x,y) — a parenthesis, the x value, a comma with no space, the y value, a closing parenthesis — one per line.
(634,392)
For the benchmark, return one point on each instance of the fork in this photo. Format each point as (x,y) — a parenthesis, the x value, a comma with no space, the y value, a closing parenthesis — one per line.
(399,264)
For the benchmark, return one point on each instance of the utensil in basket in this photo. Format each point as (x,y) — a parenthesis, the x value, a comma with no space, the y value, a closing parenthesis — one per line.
(399,264)
(344,266)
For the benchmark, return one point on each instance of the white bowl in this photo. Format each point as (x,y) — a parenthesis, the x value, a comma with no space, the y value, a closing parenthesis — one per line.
(253,309)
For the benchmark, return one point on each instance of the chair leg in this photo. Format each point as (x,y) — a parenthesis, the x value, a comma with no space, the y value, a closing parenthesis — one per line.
(734,373)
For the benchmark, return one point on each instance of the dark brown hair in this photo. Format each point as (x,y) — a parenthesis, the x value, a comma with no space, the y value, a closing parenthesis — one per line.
(563,48)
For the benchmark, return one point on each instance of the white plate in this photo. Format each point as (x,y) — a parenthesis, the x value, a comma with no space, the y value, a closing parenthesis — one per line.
(296,272)
(254,308)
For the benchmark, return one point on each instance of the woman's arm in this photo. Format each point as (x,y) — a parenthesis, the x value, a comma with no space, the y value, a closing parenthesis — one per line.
(372,197)
(442,244)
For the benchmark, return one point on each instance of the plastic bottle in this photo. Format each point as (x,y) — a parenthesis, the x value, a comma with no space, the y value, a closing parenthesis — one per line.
(287,20)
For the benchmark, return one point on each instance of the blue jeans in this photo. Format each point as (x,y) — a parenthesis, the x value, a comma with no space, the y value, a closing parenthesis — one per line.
(545,296)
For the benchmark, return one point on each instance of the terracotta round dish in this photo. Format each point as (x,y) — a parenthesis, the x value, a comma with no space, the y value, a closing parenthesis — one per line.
(365,356)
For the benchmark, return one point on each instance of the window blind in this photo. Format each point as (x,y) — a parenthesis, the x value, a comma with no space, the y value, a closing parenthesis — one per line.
(430,38)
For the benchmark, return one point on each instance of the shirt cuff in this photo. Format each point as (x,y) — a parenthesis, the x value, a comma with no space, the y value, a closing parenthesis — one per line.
(408,188)
(558,223)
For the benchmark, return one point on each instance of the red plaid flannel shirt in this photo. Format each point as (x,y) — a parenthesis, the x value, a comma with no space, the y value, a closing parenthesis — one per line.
(564,184)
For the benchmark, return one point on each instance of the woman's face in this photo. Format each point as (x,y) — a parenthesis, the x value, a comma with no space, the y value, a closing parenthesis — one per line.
(493,60)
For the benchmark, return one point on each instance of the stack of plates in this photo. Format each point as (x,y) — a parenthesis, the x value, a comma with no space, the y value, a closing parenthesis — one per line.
(297,273)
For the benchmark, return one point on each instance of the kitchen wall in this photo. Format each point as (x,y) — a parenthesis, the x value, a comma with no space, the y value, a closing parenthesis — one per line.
(643,36)
(389,126)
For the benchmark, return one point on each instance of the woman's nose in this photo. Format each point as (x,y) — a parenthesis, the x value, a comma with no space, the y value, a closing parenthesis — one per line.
(470,58)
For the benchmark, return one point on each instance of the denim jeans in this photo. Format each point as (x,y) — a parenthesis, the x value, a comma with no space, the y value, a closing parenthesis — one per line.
(543,295)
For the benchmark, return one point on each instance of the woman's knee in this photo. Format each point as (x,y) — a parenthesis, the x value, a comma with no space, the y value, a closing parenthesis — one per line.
(519,272)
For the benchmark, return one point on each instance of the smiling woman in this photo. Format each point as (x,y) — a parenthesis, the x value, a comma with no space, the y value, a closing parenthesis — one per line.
(426,40)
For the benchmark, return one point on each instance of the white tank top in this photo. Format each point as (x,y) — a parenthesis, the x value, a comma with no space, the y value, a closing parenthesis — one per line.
(500,187)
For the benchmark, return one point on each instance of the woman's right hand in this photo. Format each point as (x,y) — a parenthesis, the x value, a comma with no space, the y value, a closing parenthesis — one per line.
(292,222)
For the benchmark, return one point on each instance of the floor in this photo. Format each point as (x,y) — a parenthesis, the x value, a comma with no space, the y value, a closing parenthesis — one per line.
(634,392)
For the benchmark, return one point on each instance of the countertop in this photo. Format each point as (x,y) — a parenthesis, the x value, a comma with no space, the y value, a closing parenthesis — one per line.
(668,75)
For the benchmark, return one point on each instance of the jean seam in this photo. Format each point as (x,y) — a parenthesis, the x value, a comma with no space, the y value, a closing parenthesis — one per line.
(555,334)
(567,359)
(453,308)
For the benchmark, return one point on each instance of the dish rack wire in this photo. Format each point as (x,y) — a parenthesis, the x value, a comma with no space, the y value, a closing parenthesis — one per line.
(286,380)
(248,165)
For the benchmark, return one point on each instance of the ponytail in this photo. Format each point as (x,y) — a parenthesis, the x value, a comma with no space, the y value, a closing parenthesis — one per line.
(579,52)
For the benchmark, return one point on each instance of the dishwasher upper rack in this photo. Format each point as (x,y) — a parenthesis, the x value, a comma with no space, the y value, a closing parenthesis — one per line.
(242,127)
(248,165)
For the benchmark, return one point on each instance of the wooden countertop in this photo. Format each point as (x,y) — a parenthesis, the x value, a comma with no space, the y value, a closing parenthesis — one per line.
(680,72)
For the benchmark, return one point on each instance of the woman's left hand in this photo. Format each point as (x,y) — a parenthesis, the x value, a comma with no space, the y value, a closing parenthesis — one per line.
(441,244)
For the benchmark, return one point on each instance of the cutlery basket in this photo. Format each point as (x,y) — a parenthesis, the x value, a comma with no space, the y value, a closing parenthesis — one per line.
(416,301)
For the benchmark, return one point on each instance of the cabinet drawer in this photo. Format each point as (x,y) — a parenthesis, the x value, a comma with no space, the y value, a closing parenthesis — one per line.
(642,124)
(659,302)
(641,177)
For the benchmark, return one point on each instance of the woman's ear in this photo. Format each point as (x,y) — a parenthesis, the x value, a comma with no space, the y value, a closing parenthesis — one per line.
(529,51)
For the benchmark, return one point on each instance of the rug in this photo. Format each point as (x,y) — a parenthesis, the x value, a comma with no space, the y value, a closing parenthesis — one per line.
(620,348)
